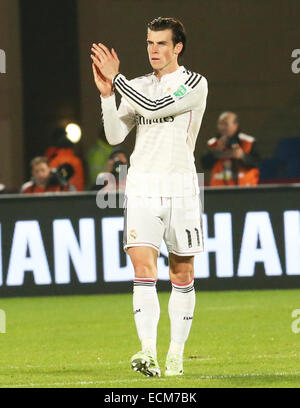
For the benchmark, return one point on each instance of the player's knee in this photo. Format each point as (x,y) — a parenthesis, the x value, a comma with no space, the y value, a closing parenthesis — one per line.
(144,271)
(182,273)
(182,277)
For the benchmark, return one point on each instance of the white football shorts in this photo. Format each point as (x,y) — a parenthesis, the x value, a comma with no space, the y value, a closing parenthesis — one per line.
(177,220)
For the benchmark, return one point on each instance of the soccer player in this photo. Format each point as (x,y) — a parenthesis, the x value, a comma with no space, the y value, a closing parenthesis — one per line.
(162,191)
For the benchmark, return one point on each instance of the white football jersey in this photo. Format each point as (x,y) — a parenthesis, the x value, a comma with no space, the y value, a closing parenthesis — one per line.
(167,114)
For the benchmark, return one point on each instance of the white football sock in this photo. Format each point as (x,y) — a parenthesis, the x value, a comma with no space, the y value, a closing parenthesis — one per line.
(146,312)
(181,310)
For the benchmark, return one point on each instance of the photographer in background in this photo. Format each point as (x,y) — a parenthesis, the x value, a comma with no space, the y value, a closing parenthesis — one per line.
(65,153)
(232,157)
(116,160)
(44,179)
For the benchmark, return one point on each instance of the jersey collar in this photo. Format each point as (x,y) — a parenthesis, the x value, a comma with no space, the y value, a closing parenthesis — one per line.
(166,77)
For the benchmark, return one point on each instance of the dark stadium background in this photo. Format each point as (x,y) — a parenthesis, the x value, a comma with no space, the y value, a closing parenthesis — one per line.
(244,48)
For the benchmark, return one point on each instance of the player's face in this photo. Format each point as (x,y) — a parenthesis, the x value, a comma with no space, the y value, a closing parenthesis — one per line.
(41,173)
(161,50)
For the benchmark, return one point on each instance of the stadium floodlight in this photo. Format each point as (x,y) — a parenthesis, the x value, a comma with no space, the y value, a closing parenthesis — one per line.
(73,132)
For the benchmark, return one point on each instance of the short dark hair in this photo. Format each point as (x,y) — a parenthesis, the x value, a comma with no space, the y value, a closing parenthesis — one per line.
(164,23)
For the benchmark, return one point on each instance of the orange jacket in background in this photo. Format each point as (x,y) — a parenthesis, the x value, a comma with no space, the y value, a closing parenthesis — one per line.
(247,170)
(68,156)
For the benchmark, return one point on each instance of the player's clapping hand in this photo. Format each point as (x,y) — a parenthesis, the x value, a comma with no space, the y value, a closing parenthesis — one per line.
(104,85)
(107,62)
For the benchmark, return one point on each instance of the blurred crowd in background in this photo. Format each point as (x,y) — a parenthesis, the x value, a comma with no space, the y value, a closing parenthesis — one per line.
(231,158)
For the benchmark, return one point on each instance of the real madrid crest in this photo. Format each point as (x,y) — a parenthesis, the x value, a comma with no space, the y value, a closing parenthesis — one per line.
(132,234)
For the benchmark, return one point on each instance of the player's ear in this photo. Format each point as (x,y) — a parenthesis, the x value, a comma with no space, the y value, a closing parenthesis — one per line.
(178,48)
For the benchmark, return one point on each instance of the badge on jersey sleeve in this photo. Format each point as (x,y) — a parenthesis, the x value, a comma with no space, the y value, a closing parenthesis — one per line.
(181,92)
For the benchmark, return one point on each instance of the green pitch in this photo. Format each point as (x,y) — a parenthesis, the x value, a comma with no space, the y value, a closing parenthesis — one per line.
(238,339)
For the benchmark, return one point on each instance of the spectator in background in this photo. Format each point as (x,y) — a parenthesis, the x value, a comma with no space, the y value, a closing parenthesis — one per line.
(97,159)
(232,157)
(44,179)
(65,155)
(113,166)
